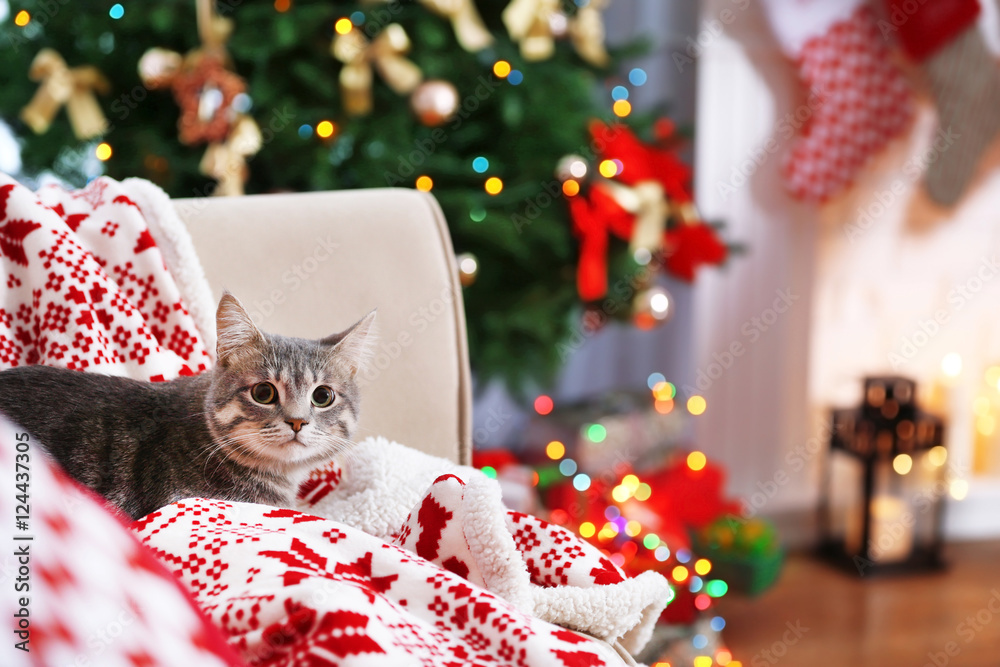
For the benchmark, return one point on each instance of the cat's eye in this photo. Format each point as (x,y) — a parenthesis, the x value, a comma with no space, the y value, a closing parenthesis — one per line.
(264,392)
(322,397)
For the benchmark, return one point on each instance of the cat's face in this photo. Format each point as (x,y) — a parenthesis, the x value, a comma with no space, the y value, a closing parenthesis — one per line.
(282,403)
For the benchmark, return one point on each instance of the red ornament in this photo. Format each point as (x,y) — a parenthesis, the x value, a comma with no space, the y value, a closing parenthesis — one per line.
(599,212)
(686,247)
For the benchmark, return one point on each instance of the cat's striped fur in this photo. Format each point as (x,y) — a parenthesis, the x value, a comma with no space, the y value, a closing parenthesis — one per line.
(143,445)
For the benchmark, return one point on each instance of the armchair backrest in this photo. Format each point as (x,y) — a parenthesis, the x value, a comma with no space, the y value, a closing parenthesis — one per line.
(311,264)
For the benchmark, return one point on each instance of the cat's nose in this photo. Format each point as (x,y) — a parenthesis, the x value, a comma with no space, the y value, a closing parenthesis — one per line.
(296,424)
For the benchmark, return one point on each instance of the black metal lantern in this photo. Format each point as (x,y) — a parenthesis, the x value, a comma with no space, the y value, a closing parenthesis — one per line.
(884,483)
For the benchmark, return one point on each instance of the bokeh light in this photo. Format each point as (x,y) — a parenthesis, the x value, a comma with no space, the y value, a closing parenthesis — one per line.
(103,151)
(696,405)
(696,461)
(480,165)
(325,129)
(424,183)
(494,185)
(587,529)
(622,108)
(343,26)
(596,433)
(501,68)
(22,18)
(555,450)
(571,188)
(544,404)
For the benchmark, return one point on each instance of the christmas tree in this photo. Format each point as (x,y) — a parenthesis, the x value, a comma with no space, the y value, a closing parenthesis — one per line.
(454,104)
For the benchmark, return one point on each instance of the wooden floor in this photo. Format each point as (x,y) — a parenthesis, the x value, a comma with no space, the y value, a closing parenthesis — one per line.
(843,620)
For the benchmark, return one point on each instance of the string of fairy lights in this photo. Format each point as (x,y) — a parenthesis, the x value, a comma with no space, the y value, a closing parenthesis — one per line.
(622,534)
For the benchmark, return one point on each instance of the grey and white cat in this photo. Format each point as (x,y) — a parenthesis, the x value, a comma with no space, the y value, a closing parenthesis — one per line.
(247,430)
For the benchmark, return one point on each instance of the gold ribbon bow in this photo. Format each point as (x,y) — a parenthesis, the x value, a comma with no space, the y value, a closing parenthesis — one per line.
(465,20)
(226,162)
(648,202)
(586,31)
(61,85)
(528,22)
(470,31)
(386,54)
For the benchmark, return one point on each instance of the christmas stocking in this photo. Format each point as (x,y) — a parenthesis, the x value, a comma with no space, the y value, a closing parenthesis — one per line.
(858,100)
(942,36)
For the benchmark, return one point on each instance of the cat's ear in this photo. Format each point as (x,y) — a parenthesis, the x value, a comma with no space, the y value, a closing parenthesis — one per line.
(238,336)
(355,345)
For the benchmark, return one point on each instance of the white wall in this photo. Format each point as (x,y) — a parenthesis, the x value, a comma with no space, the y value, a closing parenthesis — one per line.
(757,409)
(871,267)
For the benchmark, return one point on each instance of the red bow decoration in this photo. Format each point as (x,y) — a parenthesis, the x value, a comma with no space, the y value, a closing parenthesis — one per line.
(652,184)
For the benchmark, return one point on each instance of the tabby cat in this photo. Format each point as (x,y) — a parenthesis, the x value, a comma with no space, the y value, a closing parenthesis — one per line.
(247,430)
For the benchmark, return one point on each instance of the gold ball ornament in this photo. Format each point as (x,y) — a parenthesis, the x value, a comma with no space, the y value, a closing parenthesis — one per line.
(652,307)
(434,102)
(468,268)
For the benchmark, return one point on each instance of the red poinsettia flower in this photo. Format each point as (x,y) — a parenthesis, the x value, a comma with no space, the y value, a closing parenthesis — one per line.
(686,247)
(643,162)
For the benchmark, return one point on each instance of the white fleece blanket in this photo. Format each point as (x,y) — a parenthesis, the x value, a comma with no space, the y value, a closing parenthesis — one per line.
(453,516)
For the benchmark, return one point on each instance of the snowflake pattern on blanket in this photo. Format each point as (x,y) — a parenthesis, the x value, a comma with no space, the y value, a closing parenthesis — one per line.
(290,588)
(87,288)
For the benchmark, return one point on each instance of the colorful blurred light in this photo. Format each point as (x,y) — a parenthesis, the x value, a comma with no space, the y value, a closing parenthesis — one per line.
(696,405)
(702,602)
(702,566)
(501,68)
(343,26)
(489,471)
(493,185)
(654,379)
(571,188)
(902,464)
(424,183)
(716,588)
(544,404)
(637,77)
(587,529)
(325,129)
(103,151)
(696,461)
(581,482)
(679,574)
(622,108)
(555,450)
(567,467)
(643,492)
(480,165)
(664,391)
(596,433)
(664,407)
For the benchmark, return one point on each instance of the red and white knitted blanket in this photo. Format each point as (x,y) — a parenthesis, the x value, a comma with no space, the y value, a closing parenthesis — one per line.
(422,566)
(397,559)
(102,279)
